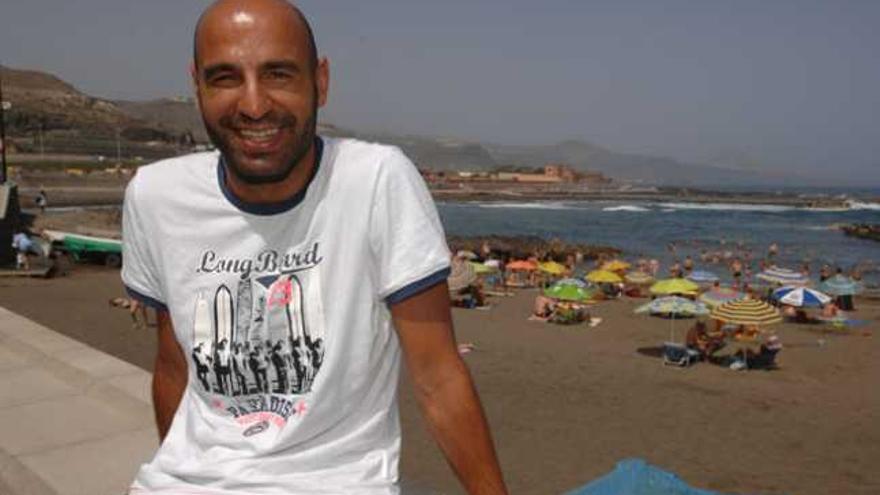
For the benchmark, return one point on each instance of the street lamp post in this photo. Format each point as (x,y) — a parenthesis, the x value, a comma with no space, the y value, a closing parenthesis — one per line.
(2,134)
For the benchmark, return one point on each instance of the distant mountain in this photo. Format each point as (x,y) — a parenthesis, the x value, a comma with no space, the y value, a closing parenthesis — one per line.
(439,153)
(73,122)
(177,115)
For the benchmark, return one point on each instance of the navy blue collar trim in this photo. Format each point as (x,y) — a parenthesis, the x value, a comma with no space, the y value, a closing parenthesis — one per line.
(270,208)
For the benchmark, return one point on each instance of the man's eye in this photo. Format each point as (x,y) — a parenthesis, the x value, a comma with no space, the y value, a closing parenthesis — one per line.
(279,75)
(223,80)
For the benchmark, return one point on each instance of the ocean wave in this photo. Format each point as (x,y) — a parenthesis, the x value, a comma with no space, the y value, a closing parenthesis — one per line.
(630,208)
(538,205)
(860,205)
(727,207)
(821,228)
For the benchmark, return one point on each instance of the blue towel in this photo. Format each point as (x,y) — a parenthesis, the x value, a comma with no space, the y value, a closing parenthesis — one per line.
(637,477)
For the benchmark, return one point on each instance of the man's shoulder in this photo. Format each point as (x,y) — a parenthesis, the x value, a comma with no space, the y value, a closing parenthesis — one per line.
(360,153)
(168,176)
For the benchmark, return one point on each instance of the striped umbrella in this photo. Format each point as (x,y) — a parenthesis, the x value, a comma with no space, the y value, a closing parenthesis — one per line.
(783,276)
(841,285)
(638,278)
(675,286)
(703,277)
(746,312)
(800,297)
(717,296)
(604,276)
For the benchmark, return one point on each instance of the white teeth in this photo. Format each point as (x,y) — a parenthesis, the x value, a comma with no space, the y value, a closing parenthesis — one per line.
(262,134)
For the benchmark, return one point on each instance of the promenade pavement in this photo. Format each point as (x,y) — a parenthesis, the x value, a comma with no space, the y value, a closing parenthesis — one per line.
(73,420)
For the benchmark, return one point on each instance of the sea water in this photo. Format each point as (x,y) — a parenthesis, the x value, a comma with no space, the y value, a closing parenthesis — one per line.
(649,228)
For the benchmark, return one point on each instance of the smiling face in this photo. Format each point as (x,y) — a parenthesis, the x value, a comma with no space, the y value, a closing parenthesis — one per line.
(259,88)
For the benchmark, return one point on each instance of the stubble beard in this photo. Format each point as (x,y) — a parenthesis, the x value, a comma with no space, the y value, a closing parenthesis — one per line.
(302,144)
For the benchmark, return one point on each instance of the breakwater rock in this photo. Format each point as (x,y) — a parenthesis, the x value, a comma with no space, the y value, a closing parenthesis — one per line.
(524,246)
(862,231)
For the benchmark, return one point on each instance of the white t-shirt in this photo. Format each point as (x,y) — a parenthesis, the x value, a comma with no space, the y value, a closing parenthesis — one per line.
(282,313)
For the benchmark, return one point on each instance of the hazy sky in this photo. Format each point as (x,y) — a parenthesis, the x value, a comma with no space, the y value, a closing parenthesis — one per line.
(767,84)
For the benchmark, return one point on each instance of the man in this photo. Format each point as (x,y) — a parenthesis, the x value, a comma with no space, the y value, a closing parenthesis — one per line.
(352,223)
(23,246)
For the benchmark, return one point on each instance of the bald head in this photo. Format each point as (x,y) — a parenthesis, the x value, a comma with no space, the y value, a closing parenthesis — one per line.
(233,14)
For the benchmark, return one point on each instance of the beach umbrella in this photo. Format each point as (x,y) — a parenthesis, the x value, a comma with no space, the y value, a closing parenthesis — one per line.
(568,292)
(673,305)
(522,265)
(800,297)
(783,276)
(675,286)
(552,267)
(466,255)
(481,269)
(571,281)
(841,285)
(604,276)
(462,274)
(746,312)
(716,296)
(703,277)
(638,278)
(615,266)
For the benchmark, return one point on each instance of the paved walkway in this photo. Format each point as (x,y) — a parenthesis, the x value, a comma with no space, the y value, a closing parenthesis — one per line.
(73,420)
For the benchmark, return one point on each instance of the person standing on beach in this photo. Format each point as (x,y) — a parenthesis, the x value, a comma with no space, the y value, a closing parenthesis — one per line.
(295,234)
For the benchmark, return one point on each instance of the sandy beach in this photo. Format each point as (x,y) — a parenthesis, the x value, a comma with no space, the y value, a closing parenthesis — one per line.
(567,402)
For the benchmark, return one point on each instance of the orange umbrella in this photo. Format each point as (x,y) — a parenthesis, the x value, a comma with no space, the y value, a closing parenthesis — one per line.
(522,265)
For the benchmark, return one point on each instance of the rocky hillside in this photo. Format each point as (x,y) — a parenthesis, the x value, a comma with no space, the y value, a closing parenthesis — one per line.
(51,115)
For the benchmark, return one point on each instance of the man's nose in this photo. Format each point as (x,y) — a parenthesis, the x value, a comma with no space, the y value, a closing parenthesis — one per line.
(254,102)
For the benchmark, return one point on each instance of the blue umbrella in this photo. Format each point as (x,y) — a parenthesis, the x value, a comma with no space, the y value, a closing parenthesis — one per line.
(703,277)
(801,297)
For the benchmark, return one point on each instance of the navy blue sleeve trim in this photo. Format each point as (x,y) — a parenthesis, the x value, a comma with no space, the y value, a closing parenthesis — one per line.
(418,286)
(146,300)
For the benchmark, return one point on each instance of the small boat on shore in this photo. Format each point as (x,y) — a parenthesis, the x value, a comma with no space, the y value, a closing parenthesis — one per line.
(79,247)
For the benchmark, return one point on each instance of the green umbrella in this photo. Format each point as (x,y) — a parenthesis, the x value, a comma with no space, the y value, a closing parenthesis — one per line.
(568,292)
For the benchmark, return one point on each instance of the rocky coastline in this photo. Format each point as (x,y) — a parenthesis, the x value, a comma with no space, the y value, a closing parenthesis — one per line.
(862,231)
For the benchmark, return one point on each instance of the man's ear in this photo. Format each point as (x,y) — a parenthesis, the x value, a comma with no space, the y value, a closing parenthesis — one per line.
(322,80)
(194,80)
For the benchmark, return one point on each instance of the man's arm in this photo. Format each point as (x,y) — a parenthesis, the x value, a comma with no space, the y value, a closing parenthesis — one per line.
(169,375)
(445,391)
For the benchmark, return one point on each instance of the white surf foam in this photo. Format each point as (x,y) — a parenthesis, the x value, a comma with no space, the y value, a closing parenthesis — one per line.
(860,205)
(539,205)
(630,208)
(726,207)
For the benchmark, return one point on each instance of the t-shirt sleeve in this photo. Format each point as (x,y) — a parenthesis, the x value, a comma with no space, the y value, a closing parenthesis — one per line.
(140,273)
(406,235)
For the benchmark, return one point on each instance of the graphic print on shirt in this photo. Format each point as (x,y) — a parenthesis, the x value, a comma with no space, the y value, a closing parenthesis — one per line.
(257,348)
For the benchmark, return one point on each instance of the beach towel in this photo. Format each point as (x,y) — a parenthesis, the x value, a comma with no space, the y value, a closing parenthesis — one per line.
(637,477)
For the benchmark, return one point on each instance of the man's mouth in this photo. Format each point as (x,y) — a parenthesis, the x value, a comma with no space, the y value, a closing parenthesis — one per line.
(259,135)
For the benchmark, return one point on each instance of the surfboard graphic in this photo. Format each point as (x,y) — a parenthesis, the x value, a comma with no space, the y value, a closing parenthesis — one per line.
(202,321)
(294,311)
(276,309)
(244,310)
(223,315)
